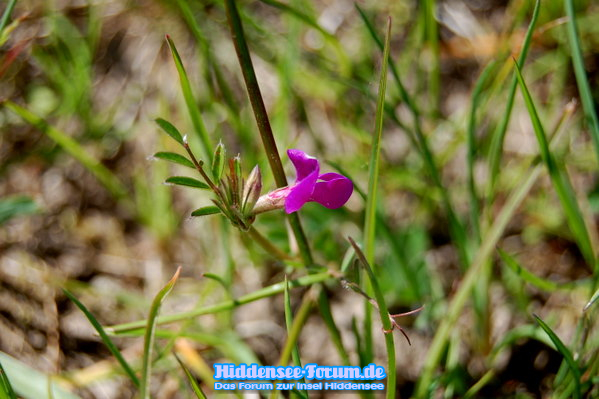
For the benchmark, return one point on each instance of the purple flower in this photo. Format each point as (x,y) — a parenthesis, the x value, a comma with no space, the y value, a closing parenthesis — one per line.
(331,190)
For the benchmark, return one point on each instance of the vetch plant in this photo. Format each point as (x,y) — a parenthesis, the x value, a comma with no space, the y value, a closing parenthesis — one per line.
(239,199)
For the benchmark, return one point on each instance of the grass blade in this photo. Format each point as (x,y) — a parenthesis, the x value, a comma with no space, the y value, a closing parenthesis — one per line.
(561,348)
(527,276)
(170,129)
(385,320)
(489,241)
(105,338)
(591,301)
(103,174)
(15,206)
(175,158)
(190,101)
(456,228)
(187,182)
(27,382)
(584,88)
(6,15)
(149,335)
(373,175)
(472,148)
(496,147)
(6,390)
(373,172)
(560,180)
(197,390)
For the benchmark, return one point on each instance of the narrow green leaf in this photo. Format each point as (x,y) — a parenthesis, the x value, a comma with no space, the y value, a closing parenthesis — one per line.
(527,276)
(175,158)
(497,139)
(105,338)
(455,307)
(472,148)
(197,390)
(187,181)
(6,391)
(218,279)
(73,148)
(146,369)
(420,141)
(327,316)
(170,129)
(289,322)
(206,210)
(560,180)
(373,171)
(15,206)
(561,348)
(192,106)
(218,162)
(591,301)
(6,15)
(373,176)
(29,383)
(586,96)
(385,319)
(343,63)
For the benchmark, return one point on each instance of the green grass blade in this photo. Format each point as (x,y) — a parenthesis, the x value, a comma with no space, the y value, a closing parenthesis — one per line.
(344,63)
(16,205)
(29,383)
(187,182)
(170,129)
(456,227)
(190,101)
(472,148)
(375,154)
(6,391)
(385,320)
(561,348)
(586,96)
(591,301)
(6,14)
(541,283)
(560,180)
(103,174)
(197,390)
(432,38)
(496,147)
(226,305)
(373,175)
(105,338)
(334,332)
(174,158)
(146,370)
(488,243)
(289,322)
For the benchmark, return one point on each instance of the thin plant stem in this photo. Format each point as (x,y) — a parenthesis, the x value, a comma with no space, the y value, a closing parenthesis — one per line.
(268,140)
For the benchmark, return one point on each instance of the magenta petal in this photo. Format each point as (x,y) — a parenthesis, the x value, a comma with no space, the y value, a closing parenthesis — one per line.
(334,191)
(300,193)
(304,164)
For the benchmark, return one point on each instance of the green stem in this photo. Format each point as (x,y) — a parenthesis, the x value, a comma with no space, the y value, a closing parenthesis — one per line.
(268,140)
(226,305)
(268,246)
